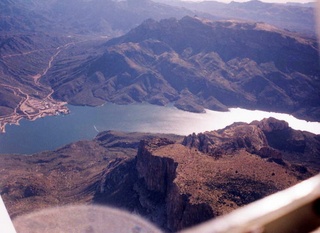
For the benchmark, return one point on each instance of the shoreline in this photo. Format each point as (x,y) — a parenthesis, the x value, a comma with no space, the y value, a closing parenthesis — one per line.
(33,113)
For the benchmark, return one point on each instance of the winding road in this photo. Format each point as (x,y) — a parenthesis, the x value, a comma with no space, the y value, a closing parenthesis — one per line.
(30,107)
(59,49)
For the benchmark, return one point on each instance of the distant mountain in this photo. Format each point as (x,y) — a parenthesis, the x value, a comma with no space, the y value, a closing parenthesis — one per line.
(34,35)
(109,17)
(197,64)
(54,37)
(174,181)
(293,17)
(54,51)
(308,4)
(97,17)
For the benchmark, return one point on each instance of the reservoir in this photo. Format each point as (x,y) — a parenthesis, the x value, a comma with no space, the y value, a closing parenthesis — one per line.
(50,133)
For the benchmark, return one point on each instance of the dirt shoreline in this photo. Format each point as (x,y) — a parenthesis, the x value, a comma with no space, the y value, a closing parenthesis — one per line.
(31,112)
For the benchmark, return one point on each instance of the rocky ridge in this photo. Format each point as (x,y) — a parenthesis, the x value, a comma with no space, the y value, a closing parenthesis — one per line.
(63,39)
(40,34)
(174,181)
(221,64)
(180,184)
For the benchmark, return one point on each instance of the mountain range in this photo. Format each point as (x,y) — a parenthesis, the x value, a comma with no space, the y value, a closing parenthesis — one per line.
(56,50)
(198,56)
(81,17)
(197,63)
(174,181)
(111,17)
(290,16)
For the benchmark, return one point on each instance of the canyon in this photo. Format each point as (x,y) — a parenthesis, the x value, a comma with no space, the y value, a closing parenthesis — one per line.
(194,56)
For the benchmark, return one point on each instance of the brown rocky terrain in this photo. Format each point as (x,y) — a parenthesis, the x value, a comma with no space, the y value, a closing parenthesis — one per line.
(67,175)
(174,181)
(24,59)
(221,64)
(51,51)
(37,34)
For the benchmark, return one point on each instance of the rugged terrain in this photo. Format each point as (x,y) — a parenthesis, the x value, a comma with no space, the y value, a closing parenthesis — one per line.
(55,50)
(174,181)
(221,64)
(35,34)
(24,60)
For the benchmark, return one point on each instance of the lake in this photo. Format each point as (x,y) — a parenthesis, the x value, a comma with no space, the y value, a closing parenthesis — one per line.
(52,132)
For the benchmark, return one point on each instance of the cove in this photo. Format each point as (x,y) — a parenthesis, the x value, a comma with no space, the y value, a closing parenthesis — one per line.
(49,133)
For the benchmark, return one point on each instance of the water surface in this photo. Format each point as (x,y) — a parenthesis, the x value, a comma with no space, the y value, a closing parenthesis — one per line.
(85,122)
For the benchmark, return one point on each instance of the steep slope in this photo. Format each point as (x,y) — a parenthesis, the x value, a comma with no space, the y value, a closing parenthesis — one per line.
(268,138)
(200,64)
(38,35)
(174,181)
(178,185)
(71,174)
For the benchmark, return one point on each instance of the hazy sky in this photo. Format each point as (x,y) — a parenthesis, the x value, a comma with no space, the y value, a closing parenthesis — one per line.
(276,1)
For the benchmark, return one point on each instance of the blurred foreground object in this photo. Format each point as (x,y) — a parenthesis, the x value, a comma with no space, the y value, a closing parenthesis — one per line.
(82,219)
(5,221)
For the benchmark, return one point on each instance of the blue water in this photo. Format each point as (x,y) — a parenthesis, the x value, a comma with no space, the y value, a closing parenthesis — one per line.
(50,133)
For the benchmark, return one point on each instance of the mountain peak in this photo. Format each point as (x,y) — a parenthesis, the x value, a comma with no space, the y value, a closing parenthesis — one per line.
(149,23)
(251,3)
(199,63)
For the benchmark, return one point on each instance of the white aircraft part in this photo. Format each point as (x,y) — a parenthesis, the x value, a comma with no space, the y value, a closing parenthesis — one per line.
(6,225)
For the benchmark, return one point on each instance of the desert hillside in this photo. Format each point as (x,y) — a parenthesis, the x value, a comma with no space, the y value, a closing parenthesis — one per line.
(174,181)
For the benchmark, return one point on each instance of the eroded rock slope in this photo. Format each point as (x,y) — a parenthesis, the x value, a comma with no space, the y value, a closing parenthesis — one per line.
(174,181)
(198,63)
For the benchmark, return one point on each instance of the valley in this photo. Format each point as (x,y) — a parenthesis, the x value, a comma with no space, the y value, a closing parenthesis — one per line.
(194,71)
(223,64)
(144,79)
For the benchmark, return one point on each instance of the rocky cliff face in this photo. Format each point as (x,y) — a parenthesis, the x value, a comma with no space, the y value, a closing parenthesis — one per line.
(228,140)
(178,185)
(296,146)
(269,138)
(158,174)
(71,174)
(146,186)
(174,181)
